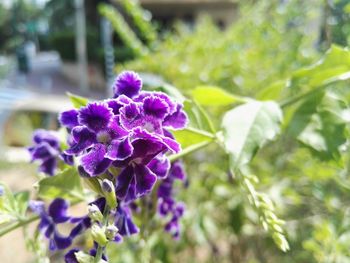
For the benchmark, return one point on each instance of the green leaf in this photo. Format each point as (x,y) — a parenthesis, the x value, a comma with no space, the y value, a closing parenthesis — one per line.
(66,184)
(272,92)
(332,67)
(191,136)
(248,127)
(77,101)
(12,206)
(319,125)
(214,96)
(7,199)
(22,199)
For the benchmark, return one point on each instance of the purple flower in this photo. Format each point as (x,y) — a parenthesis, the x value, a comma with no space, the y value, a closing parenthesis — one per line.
(46,150)
(56,214)
(99,138)
(123,221)
(136,178)
(167,203)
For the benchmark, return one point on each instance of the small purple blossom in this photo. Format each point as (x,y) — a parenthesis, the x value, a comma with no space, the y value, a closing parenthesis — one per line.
(46,149)
(55,215)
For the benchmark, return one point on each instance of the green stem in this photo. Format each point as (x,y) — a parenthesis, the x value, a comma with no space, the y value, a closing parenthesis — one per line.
(20,223)
(189,150)
(100,248)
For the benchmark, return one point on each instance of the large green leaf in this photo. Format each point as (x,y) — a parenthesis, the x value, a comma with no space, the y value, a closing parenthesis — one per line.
(320,126)
(214,96)
(248,127)
(335,65)
(66,184)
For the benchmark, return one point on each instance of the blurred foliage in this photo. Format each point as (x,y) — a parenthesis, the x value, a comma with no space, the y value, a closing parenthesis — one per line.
(247,57)
(16,23)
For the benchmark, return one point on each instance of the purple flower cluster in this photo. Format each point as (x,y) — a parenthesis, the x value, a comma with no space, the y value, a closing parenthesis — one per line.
(128,132)
(126,140)
(46,149)
(167,204)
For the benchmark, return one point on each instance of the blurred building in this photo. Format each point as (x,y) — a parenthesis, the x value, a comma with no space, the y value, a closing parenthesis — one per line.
(166,11)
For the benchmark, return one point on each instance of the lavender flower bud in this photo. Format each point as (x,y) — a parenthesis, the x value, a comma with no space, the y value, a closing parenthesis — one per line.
(109,192)
(94,213)
(111,232)
(98,235)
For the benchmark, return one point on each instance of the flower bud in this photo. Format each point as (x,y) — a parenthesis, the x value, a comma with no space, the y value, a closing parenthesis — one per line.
(95,213)
(83,257)
(98,235)
(109,193)
(111,232)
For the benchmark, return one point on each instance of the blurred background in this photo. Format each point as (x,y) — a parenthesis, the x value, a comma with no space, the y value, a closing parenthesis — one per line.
(50,47)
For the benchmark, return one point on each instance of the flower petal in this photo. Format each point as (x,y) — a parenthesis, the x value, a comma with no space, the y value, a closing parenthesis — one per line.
(177,171)
(48,166)
(145,94)
(171,144)
(83,138)
(123,182)
(83,223)
(95,116)
(94,162)
(69,118)
(127,83)
(58,210)
(156,107)
(61,242)
(119,149)
(43,151)
(177,120)
(145,180)
(37,207)
(115,129)
(124,222)
(116,104)
(70,257)
(68,159)
(130,116)
(160,166)
(46,136)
